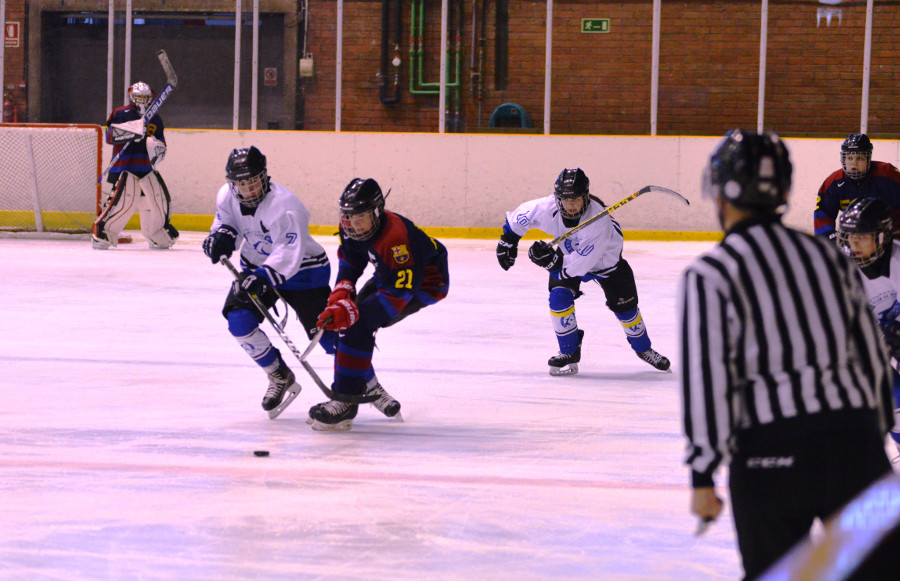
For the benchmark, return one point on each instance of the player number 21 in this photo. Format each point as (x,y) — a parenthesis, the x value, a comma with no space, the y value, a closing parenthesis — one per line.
(404,278)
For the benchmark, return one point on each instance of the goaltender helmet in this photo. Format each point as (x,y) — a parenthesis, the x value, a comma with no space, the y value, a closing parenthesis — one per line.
(247,176)
(865,230)
(362,209)
(751,171)
(141,95)
(572,184)
(856,156)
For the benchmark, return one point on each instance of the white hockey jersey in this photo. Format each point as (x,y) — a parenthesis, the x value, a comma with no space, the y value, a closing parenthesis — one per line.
(275,236)
(596,249)
(882,290)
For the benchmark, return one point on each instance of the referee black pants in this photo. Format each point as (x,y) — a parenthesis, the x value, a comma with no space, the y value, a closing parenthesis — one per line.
(783,476)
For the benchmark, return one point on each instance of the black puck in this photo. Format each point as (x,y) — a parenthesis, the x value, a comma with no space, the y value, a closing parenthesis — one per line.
(260,452)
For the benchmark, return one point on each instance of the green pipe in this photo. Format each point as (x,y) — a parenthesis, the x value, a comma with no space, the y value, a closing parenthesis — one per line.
(416,57)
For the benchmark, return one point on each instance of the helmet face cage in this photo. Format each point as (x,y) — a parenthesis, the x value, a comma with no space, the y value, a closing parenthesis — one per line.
(865,230)
(750,170)
(247,177)
(141,95)
(361,208)
(570,185)
(856,156)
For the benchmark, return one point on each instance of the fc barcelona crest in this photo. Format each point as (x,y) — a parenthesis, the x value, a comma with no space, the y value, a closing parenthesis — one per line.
(401,254)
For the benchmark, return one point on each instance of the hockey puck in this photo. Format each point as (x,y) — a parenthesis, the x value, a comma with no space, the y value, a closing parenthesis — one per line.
(260,453)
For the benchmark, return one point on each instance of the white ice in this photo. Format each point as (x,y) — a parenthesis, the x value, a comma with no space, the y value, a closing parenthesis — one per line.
(129,417)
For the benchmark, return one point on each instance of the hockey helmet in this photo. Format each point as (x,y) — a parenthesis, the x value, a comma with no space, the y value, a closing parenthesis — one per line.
(856,156)
(572,184)
(751,171)
(141,95)
(247,176)
(362,207)
(865,230)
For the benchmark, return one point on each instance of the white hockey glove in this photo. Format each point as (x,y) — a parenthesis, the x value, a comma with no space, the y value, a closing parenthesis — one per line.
(125,132)
(156,149)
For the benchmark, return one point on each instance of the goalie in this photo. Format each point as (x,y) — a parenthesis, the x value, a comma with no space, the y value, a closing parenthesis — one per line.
(137,185)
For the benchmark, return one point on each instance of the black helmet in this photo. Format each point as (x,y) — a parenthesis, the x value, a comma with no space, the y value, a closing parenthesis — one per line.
(571,184)
(361,196)
(864,218)
(247,176)
(858,144)
(750,170)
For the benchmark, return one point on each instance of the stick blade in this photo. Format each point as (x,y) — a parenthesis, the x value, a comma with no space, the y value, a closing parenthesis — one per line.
(672,193)
(171,78)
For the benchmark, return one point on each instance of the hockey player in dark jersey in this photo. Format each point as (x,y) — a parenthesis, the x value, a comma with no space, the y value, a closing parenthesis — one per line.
(410,273)
(859,177)
(137,185)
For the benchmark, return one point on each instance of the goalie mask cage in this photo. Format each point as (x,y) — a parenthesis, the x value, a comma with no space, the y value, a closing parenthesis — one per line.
(50,177)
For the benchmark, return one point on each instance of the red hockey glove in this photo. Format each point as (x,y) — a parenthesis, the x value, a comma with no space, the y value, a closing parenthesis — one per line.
(339,316)
(343,289)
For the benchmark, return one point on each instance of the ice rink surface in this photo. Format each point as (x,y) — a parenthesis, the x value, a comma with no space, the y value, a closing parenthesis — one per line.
(129,417)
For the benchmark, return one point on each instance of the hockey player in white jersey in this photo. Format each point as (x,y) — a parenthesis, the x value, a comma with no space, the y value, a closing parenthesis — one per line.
(271,227)
(591,254)
(865,233)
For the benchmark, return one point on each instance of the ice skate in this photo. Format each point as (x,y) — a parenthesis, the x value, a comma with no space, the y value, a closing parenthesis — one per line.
(656,360)
(283,389)
(566,363)
(333,416)
(385,403)
(100,241)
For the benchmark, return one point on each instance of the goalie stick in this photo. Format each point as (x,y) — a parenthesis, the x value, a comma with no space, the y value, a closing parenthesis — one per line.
(301,357)
(171,83)
(618,205)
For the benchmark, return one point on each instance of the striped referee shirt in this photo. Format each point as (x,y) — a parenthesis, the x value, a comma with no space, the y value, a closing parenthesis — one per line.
(774,325)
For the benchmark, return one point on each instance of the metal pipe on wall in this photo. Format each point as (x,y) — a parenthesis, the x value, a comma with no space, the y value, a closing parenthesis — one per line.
(763,45)
(442,97)
(254,68)
(127,75)
(2,56)
(548,66)
(235,116)
(867,63)
(110,54)
(339,64)
(654,65)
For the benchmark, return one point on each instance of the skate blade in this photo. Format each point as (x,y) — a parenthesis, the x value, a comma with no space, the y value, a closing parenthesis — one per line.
(570,369)
(343,426)
(291,394)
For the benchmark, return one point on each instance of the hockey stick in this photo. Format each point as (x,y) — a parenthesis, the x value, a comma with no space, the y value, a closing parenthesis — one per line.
(300,356)
(618,205)
(171,82)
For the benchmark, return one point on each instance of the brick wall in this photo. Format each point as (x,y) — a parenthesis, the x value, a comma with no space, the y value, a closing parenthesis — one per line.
(14,59)
(708,69)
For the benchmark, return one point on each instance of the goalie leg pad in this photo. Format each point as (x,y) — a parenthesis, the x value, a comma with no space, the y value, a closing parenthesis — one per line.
(118,211)
(154,206)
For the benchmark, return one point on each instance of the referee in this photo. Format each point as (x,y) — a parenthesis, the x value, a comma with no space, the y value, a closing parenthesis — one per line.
(784,373)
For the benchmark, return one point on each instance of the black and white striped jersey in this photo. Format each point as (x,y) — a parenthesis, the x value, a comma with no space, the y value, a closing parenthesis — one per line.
(774,325)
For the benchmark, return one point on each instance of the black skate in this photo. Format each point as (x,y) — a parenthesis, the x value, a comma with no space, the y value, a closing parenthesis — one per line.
(283,389)
(333,416)
(567,364)
(656,360)
(385,403)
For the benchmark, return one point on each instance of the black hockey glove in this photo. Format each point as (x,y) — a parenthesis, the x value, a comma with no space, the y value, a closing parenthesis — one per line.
(891,330)
(220,243)
(545,256)
(255,284)
(507,250)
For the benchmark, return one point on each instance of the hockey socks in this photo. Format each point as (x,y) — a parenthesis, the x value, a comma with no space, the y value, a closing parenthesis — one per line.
(243,326)
(635,330)
(562,314)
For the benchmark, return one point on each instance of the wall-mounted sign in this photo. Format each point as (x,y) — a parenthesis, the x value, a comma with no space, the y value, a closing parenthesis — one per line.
(595,25)
(11,35)
(270,76)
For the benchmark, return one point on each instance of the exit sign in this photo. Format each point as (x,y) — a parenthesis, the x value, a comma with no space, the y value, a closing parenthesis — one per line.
(595,25)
